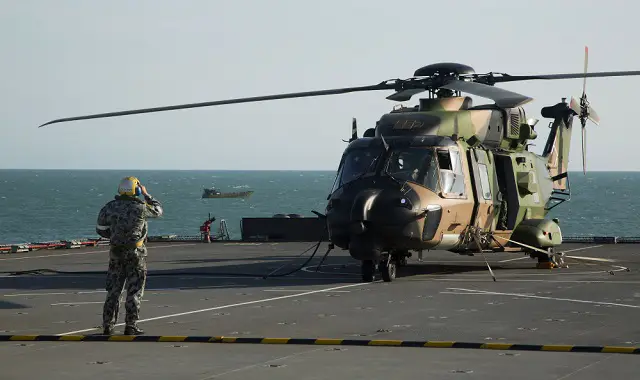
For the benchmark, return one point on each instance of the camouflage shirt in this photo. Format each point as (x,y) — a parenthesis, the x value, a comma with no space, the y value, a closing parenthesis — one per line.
(124,219)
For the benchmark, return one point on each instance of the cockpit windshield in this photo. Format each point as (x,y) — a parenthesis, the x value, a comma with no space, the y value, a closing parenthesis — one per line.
(436,168)
(417,165)
(356,163)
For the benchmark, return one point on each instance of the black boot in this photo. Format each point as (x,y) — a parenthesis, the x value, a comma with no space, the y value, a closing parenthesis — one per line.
(133,330)
(108,330)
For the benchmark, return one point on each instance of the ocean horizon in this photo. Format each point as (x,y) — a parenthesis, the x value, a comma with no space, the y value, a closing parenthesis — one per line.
(59,204)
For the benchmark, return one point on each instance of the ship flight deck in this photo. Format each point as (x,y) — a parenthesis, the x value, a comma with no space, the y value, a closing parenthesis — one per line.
(219,290)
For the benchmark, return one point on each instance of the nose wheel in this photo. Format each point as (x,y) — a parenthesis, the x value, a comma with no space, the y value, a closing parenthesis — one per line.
(387,267)
(368,271)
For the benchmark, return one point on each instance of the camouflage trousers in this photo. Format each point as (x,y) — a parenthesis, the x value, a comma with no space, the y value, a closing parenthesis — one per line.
(128,266)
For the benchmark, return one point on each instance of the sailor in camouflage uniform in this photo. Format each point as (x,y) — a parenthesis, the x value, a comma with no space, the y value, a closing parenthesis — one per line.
(124,221)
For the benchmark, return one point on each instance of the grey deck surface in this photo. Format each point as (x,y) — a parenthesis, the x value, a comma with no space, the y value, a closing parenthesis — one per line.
(197,289)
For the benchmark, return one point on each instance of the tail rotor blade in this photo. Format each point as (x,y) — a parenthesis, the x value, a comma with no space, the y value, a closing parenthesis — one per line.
(584,151)
(586,64)
(584,111)
(593,115)
(574,104)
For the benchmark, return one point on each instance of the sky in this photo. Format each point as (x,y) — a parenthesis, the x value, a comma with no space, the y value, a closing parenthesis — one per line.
(71,58)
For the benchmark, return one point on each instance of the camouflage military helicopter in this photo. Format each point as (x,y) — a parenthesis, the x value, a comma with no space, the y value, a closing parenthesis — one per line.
(445,174)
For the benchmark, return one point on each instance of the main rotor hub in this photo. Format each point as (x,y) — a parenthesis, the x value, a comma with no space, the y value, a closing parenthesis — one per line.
(444,69)
(441,72)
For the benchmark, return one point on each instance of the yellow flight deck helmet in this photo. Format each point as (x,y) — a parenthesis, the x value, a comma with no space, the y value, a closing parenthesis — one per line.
(129,186)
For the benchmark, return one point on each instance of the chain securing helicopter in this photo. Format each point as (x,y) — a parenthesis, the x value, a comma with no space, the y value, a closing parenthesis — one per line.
(445,174)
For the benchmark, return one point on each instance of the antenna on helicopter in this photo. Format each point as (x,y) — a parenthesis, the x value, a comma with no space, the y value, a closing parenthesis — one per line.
(354,131)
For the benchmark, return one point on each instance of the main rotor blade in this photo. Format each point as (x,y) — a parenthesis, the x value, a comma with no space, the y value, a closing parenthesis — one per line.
(380,86)
(502,97)
(513,78)
(405,95)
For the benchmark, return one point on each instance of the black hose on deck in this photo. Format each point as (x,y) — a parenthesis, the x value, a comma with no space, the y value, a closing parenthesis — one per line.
(43,271)
(210,274)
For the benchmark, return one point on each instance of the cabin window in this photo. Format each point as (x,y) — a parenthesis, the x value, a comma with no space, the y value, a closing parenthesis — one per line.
(484,181)
(451,174)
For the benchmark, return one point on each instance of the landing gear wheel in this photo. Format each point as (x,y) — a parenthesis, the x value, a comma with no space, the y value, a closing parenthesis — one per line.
(388,270)
(368,271)
(546,261)
(557,259)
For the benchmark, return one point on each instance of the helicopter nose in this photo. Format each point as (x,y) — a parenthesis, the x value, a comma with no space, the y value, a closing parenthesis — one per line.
(361,210)
(381,207)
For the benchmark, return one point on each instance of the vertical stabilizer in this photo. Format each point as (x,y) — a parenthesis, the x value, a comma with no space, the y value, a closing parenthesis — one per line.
(558,143)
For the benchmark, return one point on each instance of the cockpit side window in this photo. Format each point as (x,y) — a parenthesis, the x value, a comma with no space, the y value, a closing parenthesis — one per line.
(336,181)
(414,165)
(451,174)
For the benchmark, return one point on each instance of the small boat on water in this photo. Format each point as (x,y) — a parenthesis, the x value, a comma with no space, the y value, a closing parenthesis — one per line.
(212,192)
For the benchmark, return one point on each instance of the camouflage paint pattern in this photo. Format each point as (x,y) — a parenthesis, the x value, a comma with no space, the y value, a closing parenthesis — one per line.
(523,181)
(527,185)
(124,220)
(539,233)
(506,187)
(485,187)
(457,209)
(558,156)
(441,117)
(455,103)
(455,216)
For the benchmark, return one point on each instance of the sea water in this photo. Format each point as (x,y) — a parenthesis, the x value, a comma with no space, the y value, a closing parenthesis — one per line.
(45,205)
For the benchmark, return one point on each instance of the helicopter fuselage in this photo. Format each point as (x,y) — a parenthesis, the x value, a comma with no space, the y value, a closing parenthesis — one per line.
(425,177)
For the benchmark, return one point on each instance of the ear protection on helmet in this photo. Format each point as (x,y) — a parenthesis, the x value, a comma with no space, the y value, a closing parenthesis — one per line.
(129,186)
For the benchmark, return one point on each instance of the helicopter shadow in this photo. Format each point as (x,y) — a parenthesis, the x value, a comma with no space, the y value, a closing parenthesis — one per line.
(346,266)
(237,273)
(419,269)
(7,305)
(209,273)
